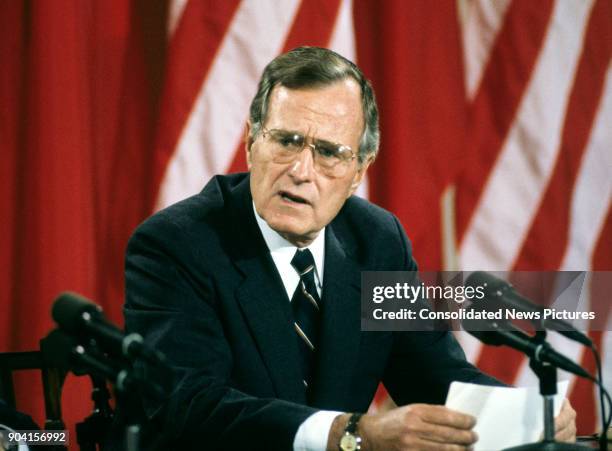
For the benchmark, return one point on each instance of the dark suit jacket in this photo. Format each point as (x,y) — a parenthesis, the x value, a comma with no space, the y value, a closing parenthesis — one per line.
(203,289)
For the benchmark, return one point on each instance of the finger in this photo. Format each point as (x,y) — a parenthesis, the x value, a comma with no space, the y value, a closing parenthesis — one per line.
(446,417)
(567,434)
(566,417)
(446,434)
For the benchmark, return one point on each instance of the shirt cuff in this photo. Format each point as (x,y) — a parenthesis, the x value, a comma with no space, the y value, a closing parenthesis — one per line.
(313,433)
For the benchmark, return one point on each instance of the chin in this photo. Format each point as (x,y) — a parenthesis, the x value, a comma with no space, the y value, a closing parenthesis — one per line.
(288,229)
(292,230)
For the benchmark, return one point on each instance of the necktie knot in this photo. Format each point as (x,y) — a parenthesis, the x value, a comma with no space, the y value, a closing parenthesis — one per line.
(303,262)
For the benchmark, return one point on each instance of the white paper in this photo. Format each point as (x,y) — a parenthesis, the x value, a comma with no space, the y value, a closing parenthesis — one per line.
(505,417)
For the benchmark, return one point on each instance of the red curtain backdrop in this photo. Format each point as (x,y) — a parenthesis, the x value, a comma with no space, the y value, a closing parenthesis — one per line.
(111,109)
(80,82)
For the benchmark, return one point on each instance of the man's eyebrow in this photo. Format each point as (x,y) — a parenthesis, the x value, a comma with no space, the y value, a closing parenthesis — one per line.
(284,130)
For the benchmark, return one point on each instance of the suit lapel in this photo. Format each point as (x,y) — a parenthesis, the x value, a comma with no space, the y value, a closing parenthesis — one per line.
(264,301)
(340,332)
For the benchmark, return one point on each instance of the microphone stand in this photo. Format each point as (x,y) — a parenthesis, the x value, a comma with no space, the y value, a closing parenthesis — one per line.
(547,375)
(93,430)
(131,418)
(122,376)
(126,375)
(130,385)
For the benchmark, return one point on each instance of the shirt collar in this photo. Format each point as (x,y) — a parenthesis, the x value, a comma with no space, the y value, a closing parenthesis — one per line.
(283,251)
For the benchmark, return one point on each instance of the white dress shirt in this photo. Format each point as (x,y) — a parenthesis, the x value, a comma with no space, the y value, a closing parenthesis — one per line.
(313,433)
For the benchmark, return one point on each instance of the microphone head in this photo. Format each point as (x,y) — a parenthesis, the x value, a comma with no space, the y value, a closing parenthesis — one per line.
(63,351)
(68,309)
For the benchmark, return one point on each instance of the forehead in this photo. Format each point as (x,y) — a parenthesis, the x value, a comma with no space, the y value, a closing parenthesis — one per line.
(333,112)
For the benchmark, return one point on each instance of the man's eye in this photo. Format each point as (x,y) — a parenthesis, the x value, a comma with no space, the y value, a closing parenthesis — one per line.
(332,151)
(290,140)
(328,151)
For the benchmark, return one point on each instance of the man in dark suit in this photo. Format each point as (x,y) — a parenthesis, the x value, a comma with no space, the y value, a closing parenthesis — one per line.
(251,288)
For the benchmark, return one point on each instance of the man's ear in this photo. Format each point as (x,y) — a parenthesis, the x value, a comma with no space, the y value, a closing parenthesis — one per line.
(248,142)
(361,172)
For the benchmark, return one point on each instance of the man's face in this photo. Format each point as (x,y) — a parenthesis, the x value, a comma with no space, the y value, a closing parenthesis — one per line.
(295,198)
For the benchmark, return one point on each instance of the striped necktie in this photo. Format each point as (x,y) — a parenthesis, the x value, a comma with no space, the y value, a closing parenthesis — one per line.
(305,304)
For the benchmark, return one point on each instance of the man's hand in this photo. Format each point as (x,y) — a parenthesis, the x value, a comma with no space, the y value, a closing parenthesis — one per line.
(565,424)
(413,427)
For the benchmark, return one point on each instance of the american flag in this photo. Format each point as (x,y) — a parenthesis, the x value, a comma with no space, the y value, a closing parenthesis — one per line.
(496,121)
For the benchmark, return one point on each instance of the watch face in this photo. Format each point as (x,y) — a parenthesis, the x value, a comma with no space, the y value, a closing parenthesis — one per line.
(348,442)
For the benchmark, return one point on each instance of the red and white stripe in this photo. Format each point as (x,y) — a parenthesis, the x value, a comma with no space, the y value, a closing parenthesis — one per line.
(542,189)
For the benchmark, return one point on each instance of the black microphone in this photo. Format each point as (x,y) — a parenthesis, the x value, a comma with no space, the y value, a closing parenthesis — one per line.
(502,292)
(63,351)
(540,351)
(81,317)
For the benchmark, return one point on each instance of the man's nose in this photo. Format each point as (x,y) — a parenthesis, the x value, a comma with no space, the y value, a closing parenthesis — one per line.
(302,168)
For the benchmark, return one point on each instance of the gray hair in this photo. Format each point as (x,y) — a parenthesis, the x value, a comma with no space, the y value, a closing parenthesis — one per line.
(311,67)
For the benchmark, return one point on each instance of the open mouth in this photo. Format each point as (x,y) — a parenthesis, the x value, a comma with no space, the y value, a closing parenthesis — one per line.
(293,198)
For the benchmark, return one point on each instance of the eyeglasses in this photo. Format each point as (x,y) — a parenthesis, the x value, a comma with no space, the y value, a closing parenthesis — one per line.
(331,159)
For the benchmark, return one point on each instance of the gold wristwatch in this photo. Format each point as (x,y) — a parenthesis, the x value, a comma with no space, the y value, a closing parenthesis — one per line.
(350,440)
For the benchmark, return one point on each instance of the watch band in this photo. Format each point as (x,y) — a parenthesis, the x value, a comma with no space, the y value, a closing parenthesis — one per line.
(351,426)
